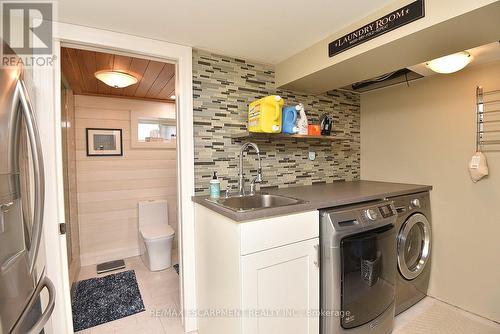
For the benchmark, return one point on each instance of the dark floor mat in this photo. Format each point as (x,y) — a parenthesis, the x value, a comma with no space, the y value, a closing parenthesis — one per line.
(103,299)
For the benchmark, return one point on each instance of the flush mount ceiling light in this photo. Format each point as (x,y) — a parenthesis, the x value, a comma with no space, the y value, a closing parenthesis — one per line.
(116,79)
(451,63)
(172,97)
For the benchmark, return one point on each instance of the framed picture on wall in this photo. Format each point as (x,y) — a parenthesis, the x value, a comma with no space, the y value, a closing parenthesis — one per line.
(104,142)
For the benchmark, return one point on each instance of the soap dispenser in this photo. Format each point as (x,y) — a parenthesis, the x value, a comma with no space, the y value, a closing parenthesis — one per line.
(215,186)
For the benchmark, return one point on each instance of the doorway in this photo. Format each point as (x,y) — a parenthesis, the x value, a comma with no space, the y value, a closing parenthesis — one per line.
(48,93)
(119,154)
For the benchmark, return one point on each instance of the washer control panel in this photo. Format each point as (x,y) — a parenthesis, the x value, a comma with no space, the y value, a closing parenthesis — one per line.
(387,210)
(411,203)
(363,216)
(371,214)
(378,212)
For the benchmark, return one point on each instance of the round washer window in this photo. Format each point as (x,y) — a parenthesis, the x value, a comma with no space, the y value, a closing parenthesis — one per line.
(414,246)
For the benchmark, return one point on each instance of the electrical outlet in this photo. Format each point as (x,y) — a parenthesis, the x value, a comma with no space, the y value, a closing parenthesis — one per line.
(312,156)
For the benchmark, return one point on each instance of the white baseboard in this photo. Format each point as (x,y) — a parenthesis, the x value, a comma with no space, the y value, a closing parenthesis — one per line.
(108,255)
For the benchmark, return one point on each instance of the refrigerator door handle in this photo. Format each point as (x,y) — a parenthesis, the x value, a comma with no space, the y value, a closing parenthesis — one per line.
(42,321)
(38,172)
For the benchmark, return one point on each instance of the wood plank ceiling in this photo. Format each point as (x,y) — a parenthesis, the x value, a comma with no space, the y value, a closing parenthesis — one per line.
(156,79)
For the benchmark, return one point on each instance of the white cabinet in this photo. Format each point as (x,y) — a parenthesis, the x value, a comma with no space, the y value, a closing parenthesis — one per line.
(280,288)
(265,271)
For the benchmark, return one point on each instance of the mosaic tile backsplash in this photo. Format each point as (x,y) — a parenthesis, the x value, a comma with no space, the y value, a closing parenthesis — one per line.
(222,89)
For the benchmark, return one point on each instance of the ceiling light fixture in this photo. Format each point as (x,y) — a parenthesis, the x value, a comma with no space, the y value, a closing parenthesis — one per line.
(172,97)
(116,79)
(451,63)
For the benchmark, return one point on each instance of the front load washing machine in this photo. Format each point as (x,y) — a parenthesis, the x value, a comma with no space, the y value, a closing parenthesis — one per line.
(358,273)
(413,226)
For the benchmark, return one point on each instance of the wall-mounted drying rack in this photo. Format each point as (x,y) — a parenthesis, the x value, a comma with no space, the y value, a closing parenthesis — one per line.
(488,120)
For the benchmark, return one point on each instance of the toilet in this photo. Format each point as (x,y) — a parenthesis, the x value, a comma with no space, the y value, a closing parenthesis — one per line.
(155,235)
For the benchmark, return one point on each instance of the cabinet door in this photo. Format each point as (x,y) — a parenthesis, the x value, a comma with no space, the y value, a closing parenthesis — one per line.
(280,288)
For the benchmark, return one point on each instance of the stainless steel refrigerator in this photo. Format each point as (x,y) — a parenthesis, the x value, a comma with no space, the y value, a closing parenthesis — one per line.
(22,191)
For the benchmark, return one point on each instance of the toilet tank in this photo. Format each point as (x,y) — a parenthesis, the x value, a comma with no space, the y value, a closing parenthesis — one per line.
(153,212)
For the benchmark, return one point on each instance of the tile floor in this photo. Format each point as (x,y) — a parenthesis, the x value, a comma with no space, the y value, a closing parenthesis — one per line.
(159,291)
(433,316)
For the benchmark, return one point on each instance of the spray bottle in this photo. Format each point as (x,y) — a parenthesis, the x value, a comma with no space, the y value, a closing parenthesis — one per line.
(302,120)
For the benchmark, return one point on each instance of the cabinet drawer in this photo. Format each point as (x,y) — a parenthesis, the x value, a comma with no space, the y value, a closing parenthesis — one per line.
(278,231)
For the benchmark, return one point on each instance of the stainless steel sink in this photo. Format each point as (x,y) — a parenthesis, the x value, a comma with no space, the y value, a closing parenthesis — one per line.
(255,202)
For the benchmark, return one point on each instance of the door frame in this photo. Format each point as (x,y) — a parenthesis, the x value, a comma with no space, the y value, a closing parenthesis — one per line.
(48,100)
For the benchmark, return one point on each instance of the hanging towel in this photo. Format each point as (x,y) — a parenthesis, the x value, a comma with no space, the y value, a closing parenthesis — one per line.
(478,166)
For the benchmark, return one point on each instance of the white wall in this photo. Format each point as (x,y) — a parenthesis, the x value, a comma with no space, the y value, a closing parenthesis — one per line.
(109,188)
(426,134)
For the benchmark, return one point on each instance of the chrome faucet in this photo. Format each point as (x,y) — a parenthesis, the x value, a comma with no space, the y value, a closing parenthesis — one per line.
(257,179)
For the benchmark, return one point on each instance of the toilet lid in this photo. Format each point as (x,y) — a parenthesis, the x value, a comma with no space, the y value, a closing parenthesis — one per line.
(156,231)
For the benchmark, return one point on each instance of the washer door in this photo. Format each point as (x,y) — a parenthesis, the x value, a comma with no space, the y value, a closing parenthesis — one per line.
(414,245)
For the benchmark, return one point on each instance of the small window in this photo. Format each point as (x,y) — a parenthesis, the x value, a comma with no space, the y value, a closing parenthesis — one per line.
(159,130)
(150,131)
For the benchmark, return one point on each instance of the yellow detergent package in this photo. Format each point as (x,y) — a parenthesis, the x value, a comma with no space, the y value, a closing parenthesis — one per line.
(264,115)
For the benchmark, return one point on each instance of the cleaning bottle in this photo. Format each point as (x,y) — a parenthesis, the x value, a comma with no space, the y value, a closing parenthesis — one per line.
(264,115)
(302,121)
(214,186)
(289,117)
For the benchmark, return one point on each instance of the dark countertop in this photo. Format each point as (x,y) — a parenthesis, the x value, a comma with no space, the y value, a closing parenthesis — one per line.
(319,196)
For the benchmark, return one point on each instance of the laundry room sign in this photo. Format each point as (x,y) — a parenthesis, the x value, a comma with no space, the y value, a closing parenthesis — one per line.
(391,21)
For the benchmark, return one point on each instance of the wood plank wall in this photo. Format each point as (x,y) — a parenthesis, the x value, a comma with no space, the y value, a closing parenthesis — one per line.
(109,188)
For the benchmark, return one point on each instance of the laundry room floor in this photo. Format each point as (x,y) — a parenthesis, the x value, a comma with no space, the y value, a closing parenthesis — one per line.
(159,292)
(433,316)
